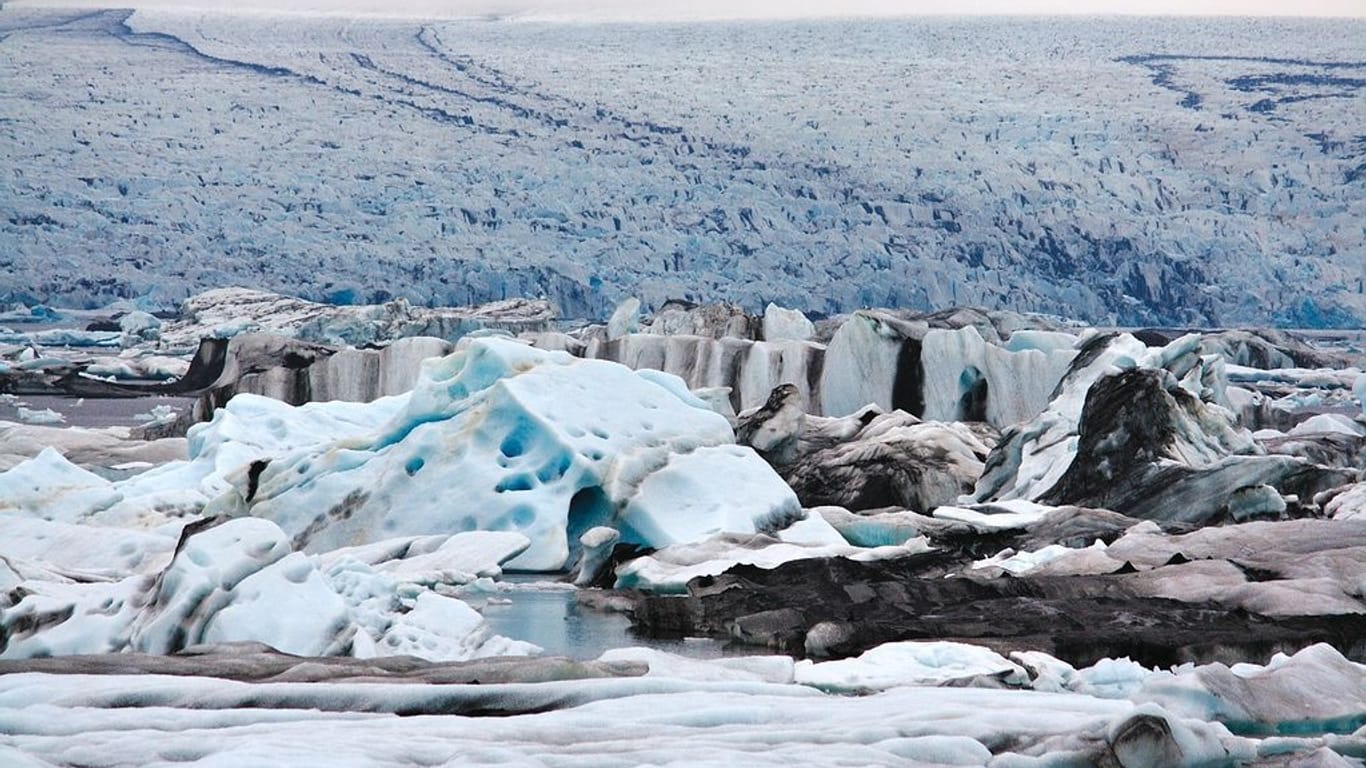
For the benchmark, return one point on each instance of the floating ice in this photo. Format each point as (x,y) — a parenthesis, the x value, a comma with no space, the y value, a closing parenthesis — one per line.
(908,663)
(537,442)
(765,669)
(440,628)
(670,569)
(40,416)
(786,324)
(240,581)
(50,487)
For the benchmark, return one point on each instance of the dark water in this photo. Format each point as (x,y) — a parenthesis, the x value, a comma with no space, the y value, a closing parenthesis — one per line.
(95,413)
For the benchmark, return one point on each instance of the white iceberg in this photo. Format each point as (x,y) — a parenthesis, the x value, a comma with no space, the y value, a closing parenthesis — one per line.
(503,437)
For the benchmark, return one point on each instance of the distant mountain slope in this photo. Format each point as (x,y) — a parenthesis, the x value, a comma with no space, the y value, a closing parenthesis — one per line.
(1138,171)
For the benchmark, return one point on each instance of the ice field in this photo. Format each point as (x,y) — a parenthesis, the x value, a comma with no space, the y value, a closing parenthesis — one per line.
(1120,171)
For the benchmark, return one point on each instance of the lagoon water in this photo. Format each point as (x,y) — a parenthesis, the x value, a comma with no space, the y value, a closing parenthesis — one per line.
(553,618)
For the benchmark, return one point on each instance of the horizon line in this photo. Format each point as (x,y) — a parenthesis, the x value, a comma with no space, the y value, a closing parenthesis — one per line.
(631,13)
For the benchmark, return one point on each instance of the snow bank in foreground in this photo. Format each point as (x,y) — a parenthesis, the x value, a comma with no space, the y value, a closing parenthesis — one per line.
(685,712)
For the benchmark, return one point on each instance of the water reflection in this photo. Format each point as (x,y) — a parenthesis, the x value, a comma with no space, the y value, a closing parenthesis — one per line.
(554,619)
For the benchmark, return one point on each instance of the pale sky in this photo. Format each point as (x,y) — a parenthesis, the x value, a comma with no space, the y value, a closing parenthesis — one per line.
(670,10)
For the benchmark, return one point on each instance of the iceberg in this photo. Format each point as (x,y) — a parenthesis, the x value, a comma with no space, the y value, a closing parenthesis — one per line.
(536,442)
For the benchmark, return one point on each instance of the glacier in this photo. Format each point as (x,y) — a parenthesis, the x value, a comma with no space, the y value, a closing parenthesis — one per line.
(456,162)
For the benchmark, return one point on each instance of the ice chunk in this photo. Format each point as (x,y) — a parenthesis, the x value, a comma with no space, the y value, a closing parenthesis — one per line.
(1347,503)
(39,416)
(285,605)
(50,487)
(597,545)
(89,549)
(1329,423)
(786,324)
(670,569)
(1315,689)
(1015,513)
(138,326)
(435,560)
(861,363)
(712,490)
(814,530)
(625,319)
(440,628)
(539,442)
(907,663)
(1255,501)
(1020,563)
(766,669)
(239,581)
(967,378)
